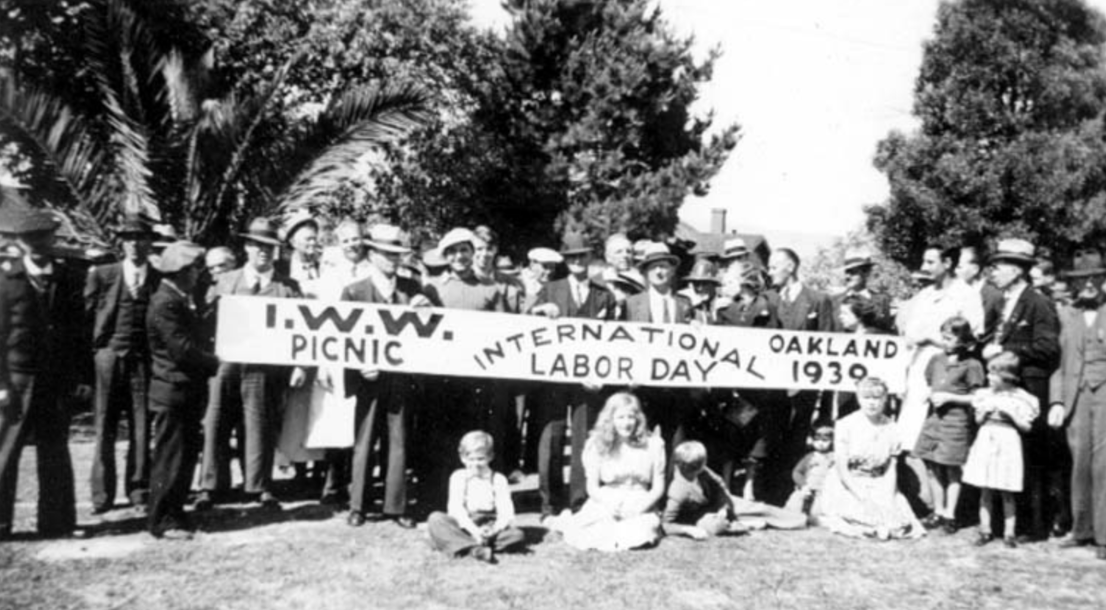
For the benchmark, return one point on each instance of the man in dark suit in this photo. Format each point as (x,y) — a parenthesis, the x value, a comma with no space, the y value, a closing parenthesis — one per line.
(1028,327)
(1077,393)
(180,365)
(798,307)
(384,400)
(858,270)
(575,296)
(117,297)
(45,364)
(253,390)
(660,304)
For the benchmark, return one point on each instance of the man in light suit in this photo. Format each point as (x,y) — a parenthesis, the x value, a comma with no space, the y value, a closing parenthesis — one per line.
(117,297)
(1077,393)
(384,400)
(253,390)
(575,296)
(786,428)
(660,304)
(1028,327)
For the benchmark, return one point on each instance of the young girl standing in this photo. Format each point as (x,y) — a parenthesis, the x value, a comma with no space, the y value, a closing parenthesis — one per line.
(946,435)
(995,460)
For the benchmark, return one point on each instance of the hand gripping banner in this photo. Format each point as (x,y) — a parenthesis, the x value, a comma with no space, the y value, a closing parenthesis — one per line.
(482,344)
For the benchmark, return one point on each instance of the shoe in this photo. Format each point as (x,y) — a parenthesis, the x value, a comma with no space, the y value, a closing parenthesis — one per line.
(99,510)
(516,477)
(174,533)
(984,538)
(485,554)
(1059,531)
(1100,551)
(403,521)
(1030,538)
(1010,542)
(203,502)
(268,501)
(932,521)
(950,526)
(355,519)
(330,499)
(1071,542)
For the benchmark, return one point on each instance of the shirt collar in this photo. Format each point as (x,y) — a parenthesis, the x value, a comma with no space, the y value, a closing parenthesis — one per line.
(35,270)
(129,268)
(252,274)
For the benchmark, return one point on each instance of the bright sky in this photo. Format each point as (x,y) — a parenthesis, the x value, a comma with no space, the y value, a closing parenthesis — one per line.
(815,84)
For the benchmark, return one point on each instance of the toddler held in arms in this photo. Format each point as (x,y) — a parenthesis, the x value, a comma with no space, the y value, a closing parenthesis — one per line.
(479,521)
(698,505)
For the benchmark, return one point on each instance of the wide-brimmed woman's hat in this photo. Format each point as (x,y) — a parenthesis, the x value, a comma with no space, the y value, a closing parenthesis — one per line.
(262,231)
(703,271)
(386,238)
(1087,263)
(1017,251)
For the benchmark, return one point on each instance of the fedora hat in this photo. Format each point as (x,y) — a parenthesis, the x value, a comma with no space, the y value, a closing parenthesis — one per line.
(386,238)
(859,258)
(734,247)
(295,220)
(456,236)
(574,243)
(656,253)
(262,231)
(505,265)
(545,256)
(18,217)
(1087,263)
(176,256)
(703,271)
(135,227)
(1015,251)
(630,280)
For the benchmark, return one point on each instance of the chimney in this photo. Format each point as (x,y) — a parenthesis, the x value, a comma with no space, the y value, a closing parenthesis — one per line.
(718,221)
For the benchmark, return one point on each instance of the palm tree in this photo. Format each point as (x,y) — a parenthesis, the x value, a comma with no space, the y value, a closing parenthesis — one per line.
(160,143)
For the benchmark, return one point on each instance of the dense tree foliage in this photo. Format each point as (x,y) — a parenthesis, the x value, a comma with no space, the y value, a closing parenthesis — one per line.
(1011,96)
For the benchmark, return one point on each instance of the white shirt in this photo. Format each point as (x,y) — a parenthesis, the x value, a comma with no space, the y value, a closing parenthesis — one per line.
(579,290)
(35,272)
(254,277)
(930,308)
(1010,299)
(384,284)
(658,303)
(133,275)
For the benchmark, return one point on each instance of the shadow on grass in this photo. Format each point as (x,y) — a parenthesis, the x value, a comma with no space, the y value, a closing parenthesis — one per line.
(222,518)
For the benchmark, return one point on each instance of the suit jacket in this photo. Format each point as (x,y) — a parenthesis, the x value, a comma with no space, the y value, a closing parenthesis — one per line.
(599,304)
(102,291)
(1065,382)
(1033,333)
(992,311)
(46,334)
(178,358)
(637,309)
(234,282)
(811,310)
(760,313)
(365,291)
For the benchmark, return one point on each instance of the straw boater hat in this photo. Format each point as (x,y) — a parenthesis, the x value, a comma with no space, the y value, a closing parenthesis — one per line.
(176,256)
(262,231)
(545,256)
(17,217)
(1017,251)
(859,258)
(386,238)
(164,234)
(295,220)
(703,271)
(656,253)
(574,243)
(734,247)
(1087,263)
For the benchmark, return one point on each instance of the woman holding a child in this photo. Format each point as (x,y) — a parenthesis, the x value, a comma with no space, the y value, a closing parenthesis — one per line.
(625,469)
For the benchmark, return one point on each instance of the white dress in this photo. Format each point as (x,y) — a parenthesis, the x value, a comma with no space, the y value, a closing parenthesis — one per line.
(995,459)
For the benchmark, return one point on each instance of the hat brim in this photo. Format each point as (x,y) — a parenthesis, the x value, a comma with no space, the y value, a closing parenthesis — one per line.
(574,251)
(1082,273)
(725,256)
(860,265)
(1011,257)
(383,247)
(702,278)
(434,258)
(671,259)
(292,228)
(268,241)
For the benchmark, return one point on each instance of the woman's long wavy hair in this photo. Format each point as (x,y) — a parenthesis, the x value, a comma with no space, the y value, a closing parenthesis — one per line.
(603,437)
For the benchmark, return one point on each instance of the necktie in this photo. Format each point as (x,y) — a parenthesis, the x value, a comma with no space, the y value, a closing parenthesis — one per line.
(255,286)
(133,284)
(580,295)
(667,314)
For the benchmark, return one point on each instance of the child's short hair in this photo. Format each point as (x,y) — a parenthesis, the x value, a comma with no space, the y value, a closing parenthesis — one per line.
(1006,365)
(690,454)
(868,385)
(476,441)
(823,427)
(959,327)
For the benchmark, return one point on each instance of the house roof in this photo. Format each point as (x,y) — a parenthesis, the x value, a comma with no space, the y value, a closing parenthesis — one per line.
(714,243)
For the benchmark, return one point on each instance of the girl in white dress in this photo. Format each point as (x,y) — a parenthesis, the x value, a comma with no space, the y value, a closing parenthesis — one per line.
(1003,412)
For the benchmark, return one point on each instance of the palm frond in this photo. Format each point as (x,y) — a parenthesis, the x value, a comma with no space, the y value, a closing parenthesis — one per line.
(58,143)
(355,124)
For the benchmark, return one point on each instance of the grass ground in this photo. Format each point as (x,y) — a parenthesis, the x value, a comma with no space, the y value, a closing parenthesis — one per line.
(307,557)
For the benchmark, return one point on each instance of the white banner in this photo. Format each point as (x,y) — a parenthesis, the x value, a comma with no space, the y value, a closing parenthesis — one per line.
(482,344)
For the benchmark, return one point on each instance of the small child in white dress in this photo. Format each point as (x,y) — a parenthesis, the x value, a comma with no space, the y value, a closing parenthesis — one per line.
(1003,412)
